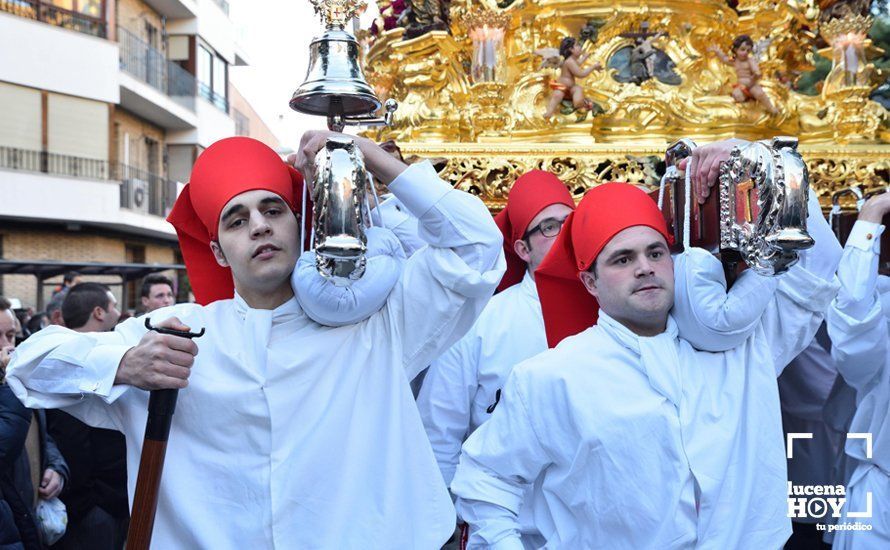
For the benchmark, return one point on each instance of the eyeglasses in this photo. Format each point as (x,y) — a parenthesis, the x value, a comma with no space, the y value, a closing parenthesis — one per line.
(549,228)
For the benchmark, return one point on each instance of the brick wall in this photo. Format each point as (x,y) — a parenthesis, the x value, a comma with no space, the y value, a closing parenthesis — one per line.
(133,15)
(28,244)
(129,126)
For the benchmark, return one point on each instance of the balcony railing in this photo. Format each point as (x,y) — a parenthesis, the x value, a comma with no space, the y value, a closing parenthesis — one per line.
(53,163)
(140,190)
(54,15)
(149,65)
(218,100)
(143,191)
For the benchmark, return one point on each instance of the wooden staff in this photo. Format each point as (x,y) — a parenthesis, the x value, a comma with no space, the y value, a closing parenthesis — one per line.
(161,405)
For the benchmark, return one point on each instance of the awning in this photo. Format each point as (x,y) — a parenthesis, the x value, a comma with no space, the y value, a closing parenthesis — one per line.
(45,269)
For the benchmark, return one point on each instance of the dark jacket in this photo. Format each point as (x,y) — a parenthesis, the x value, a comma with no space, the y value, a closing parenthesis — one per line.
(97,459)
(18,529)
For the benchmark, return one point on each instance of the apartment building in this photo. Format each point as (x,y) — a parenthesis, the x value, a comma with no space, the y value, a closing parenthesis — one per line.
(104,107)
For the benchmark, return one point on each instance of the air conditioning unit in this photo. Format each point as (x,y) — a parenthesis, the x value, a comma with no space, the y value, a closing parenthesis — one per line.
(137,195)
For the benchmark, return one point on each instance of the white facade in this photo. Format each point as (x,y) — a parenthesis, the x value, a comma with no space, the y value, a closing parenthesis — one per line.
(79,68)
(37,196)
(58,60)
(151,104)
(213,125)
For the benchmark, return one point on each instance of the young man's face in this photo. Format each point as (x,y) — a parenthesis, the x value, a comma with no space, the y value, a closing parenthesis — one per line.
(159,295)
(634,281)
(540,236)
(258,240)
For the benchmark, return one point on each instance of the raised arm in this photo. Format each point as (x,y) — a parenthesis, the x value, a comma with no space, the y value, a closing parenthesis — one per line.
(804,293)
(576,69)
(708,316)
(722,56)
(445,285)
(755,68)
(857,325)
(499,461)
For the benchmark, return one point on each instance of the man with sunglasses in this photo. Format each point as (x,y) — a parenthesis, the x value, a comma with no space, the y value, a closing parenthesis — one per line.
(462,387)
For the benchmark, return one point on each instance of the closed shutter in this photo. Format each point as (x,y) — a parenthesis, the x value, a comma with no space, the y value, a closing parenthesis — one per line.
(78,127)
(20,120)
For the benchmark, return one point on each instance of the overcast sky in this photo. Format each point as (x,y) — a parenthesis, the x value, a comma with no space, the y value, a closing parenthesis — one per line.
(275,35)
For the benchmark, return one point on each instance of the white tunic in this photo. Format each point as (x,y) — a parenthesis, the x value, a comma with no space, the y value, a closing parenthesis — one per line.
(463,386)
(646,442)
(858,326)
(291,434)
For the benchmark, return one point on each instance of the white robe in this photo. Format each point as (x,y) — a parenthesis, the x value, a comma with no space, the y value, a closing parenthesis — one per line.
(859,326)
(646,442)
(291,434)
(464,384)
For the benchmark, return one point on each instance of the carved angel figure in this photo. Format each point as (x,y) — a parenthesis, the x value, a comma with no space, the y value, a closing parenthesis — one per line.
(569,59)
(744,61)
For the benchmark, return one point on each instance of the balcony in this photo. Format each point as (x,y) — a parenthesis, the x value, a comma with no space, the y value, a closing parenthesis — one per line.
(150,66)
(140,191)
(56,16)
(53,163)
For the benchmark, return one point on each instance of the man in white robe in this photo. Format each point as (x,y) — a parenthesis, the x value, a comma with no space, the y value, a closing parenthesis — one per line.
(631,437)
(287,434)
(462,387)
(859,327)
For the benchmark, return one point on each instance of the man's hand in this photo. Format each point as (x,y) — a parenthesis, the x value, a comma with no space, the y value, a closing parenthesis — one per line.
(384,166)
(875,208)
(51,484)
(706,162)
(159,361)
(5,358)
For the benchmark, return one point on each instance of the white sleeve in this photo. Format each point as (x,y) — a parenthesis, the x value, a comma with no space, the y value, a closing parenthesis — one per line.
(709,317)
(804,293)
(446,399)
(496,466)
(58,368)
(445,285)
(857,324)
(393,215)
(329,304)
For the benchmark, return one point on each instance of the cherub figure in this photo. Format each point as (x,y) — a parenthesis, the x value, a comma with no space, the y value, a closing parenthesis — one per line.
(747,71)
(570,59)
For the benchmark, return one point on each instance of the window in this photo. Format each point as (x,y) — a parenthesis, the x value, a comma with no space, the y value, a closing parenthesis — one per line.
(219,77)
(242,123)
(213,78)
(205,65)
(92,8)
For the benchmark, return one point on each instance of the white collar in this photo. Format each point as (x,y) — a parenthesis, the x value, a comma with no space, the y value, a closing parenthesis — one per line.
(528,285)
(284,312)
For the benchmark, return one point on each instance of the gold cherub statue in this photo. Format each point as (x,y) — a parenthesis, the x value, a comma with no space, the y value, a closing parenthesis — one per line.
(569,58)
(744,61)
